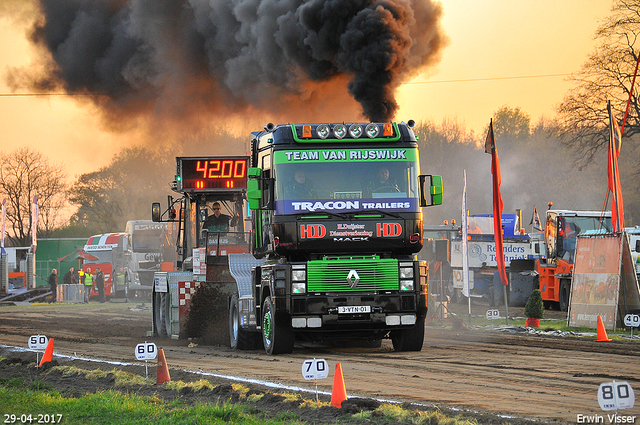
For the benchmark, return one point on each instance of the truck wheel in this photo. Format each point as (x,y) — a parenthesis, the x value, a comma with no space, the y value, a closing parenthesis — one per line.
(409,339)
(126,288)
(277,334)
(565,291)
(166,312)
(240,339)
(157,314)
(162,314)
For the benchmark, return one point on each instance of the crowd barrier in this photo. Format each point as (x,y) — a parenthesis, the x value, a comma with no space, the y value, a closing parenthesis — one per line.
(70,293)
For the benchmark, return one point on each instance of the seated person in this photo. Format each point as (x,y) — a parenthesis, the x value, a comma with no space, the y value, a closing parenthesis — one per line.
(569,235)
(217,222)
(382,182)
(301,187)
(472,227)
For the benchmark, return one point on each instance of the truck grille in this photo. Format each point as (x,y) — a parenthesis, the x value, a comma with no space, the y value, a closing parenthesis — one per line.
(330,275)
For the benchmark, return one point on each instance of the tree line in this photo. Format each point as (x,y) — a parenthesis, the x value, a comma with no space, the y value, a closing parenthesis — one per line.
(560,160)
(536,169)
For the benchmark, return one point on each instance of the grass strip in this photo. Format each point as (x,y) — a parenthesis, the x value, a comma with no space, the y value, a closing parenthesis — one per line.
(112,407)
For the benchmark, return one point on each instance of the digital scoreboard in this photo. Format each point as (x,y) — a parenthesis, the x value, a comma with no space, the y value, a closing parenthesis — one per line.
(200,174)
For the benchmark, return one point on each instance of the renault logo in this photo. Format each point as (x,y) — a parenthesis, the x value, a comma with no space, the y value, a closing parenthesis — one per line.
(353,279)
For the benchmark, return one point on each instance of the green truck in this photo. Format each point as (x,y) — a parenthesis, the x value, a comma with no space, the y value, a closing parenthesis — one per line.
(335,225)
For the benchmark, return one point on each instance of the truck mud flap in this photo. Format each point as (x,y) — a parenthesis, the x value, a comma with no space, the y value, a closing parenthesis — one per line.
(240,266)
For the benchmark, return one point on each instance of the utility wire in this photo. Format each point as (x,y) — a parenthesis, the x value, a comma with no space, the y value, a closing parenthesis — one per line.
(50,94)
(489,79)
(467,80)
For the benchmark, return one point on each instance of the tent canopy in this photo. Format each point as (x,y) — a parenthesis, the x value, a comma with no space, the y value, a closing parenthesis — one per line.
(78,253)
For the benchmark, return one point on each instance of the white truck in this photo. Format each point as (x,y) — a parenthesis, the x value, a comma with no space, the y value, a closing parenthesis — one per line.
(142,248)
(634,242)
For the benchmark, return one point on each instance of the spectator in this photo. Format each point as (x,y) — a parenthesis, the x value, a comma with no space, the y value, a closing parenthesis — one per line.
(53,284)
(100,284)
(69,277)
(88,284)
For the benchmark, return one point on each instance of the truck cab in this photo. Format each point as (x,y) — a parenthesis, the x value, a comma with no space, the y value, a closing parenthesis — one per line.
(108,249)
(562,228)
(337,221)
(142,248)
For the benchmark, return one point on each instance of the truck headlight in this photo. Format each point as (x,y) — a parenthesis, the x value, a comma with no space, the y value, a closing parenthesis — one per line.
(406,285)
(298,287)
(406,272)
(298,279)
(298,275)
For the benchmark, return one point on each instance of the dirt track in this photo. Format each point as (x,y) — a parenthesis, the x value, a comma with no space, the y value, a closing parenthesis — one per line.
(551,378)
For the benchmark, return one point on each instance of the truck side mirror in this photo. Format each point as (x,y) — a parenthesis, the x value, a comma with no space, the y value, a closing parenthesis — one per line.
(259,190)
(431,193)
(254,194)
(155,212)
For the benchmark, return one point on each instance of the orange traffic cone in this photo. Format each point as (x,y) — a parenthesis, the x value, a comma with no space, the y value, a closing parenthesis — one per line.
(48,353)
(162,375)
(339,393)
(602,332)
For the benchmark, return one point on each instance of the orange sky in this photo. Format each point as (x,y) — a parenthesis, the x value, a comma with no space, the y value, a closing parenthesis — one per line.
(488,39)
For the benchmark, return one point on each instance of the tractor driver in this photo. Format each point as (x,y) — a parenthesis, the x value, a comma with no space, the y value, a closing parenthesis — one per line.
(217,222)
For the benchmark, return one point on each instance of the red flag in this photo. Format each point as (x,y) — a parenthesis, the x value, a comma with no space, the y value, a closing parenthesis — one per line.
(498,205)
(615,143)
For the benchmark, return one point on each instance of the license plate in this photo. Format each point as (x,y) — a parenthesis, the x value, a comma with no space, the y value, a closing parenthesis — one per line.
(354,309)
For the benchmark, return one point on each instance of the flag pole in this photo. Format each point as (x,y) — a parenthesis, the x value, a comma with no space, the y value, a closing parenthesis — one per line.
(498,205)
(466,291)
(615,140)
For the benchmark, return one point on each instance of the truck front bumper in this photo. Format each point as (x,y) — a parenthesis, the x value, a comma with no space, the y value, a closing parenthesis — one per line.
(338,312)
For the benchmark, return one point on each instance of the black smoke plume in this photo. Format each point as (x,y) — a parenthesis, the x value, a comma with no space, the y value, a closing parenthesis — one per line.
(176,57)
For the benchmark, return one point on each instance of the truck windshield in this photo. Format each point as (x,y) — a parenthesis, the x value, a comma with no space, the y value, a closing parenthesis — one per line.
(104,257)
(569,227)
(146,240)
(346,185)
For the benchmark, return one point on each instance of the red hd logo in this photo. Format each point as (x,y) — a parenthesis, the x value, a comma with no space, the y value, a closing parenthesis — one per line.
(388,230)
(312,231)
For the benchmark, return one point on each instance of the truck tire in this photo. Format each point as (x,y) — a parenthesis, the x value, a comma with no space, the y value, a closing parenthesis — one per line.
(239,338)
(409,339)
(277,334)
(162,314)
(166,312)
(563,295)
(157,315)
(129,295)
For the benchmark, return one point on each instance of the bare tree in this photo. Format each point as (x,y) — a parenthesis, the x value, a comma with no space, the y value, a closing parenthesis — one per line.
(123,190)
(606,75)
(24,174)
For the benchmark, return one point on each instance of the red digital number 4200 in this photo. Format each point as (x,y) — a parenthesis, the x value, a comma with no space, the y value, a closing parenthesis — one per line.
(222,169)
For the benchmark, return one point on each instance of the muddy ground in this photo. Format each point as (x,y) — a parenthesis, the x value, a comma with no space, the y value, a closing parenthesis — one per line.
(495,374)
